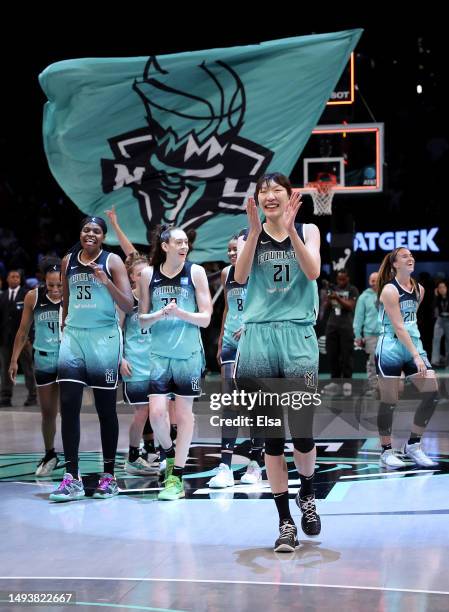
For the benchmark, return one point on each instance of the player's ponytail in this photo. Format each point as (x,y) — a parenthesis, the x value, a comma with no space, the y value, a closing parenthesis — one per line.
(387,272)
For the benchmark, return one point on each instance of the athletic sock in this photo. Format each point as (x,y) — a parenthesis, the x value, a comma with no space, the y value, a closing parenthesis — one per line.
(178,471)
(148,446)
(109,465)
(306,485)
(386,447)
(72,467)
(256,453)
(170,452)
(133,453)
(226,458)
(283,508)
(414,439)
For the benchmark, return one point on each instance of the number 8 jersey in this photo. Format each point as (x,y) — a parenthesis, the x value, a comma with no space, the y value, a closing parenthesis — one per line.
(90,305)
(278,290)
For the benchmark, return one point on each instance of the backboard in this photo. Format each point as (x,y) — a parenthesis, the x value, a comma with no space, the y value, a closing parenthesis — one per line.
(349,155)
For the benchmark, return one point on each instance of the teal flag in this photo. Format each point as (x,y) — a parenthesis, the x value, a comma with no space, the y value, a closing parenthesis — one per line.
(183,138)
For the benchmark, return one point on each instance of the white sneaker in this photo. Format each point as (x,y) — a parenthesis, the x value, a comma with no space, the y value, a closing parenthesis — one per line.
(389,459)
(332,389)
(253,474)
(150,458)
(45,468)
(347,389)
(224,478)
(416,454)
(140,467)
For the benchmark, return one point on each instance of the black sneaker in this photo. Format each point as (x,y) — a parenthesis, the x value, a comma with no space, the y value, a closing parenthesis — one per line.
(310,521)
(287,540)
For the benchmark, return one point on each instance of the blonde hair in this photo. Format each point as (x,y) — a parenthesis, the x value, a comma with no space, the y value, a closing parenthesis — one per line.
(133,259)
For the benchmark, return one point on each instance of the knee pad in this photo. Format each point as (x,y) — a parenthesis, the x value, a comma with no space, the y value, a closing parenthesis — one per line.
(385,418)
(274,446)
(303,445)
(426,408)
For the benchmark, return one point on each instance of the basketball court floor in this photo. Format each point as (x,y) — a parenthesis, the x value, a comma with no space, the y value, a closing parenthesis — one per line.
(383,544)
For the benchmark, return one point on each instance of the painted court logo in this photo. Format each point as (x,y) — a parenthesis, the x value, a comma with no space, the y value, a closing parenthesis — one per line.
(189,162)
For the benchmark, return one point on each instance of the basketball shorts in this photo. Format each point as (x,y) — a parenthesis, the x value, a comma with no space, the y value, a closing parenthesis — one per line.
(277,351)
(176,376)
(392,358)
(45,367)
(90,356)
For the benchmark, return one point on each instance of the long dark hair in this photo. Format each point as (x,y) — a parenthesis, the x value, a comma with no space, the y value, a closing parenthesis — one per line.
(387,272)
(160,234)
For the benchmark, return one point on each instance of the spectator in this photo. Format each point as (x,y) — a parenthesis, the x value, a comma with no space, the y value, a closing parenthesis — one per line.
(367,329)
(340,334)
(11,307)
(441,328)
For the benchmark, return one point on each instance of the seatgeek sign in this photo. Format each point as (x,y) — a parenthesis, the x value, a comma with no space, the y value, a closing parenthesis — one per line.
(415,240)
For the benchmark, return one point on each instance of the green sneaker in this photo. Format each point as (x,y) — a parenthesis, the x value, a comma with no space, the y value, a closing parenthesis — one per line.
(174,489)
(169,465)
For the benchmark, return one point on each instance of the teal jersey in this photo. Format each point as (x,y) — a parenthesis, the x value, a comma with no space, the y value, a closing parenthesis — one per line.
(366,315)
(172,337)
(90,305)
(235,297)
(408,304)
(278,290)
(46,322)
(136,349)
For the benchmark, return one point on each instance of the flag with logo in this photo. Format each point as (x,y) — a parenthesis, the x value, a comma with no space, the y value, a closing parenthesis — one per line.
(183,138)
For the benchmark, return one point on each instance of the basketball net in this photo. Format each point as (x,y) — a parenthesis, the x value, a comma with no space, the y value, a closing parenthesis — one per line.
(322,193)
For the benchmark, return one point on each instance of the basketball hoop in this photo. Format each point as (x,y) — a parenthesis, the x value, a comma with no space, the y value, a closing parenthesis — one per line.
(322,193)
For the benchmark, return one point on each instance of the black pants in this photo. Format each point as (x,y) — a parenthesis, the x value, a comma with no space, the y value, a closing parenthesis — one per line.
(26,363)
(340,350)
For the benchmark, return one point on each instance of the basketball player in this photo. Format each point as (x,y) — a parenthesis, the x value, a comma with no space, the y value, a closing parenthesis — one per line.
(94,281)
(400,350)
(175,302)
(43,305)
(282,260)
(131,252)
(134,368)
(231,330)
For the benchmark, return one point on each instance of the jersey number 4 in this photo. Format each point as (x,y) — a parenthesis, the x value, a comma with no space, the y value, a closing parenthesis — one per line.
(282,273)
